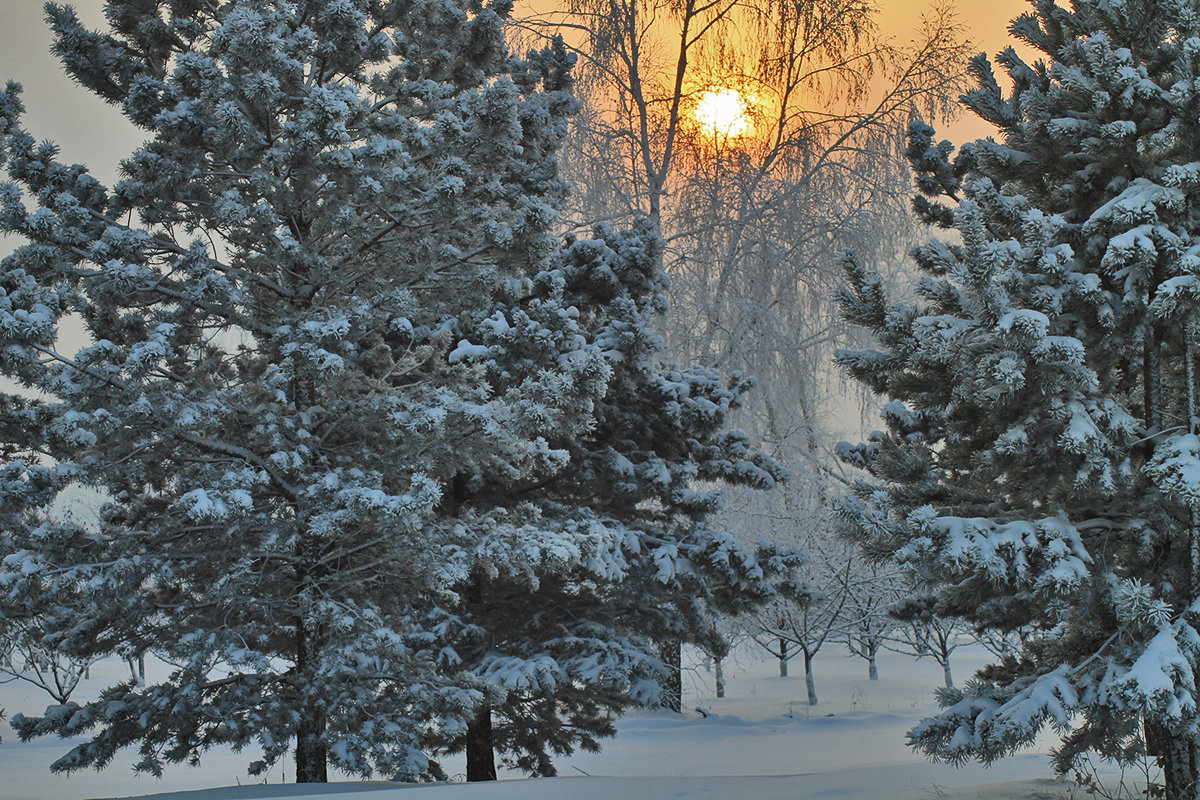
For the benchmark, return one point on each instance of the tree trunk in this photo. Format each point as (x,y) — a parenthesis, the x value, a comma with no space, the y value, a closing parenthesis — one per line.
(311,753)
(719,669)
(481,755)
(1179,762)
(311,750)
(946,673)
(872,667)
(671,653)
(809,681)
(1177,757)
(783,658)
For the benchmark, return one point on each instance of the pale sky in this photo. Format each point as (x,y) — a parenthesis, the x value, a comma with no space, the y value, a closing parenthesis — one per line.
(90,131)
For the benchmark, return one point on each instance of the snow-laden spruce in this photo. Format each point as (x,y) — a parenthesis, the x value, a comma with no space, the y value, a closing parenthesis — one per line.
(565,634)
(330,198)
(381,454)
(1041,463)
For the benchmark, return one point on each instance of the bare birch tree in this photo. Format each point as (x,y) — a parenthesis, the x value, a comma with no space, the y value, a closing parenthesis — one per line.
(752,219)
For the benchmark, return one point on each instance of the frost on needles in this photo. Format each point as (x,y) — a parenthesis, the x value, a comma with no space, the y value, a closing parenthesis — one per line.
(1041,461)
(386,460)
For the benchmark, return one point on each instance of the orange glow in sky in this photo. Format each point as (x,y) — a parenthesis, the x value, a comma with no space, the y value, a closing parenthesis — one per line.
(723,112)
(92,132)
(986,23)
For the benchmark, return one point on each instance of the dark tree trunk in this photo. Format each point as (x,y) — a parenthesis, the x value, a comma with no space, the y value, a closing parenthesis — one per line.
(481,751)
(672,688)
(481,755)
(1179,768)
(719,669)
(783,658)
(1155,737)
(311,750)
(311,755)
(1177,757)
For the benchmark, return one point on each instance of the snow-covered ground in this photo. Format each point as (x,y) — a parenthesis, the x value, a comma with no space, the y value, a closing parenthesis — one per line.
(761,742)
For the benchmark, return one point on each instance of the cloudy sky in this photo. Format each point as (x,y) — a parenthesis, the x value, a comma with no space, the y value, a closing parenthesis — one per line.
(87,129)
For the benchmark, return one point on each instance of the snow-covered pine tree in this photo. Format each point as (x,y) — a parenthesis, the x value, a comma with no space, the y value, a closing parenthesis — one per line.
(661,454)
(568,635)
(1041,462)
(294,297)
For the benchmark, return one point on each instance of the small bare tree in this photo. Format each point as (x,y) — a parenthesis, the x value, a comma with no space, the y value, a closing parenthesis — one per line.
(925,633)
(27,655)
(869,626)
(803,625)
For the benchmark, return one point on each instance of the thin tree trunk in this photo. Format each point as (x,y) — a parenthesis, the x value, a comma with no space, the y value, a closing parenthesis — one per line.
(809,681)
(783,658)
(946,673)
(672,689)
(1148,398)
(872,666)
(719,669)
(1154,736)
(481,754)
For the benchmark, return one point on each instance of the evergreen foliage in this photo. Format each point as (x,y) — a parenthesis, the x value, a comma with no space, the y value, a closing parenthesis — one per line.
(1041,464)
(333,200)
(382,456)
(568,639)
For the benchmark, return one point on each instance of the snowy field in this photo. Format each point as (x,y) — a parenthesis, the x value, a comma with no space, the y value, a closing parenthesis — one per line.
(761,742)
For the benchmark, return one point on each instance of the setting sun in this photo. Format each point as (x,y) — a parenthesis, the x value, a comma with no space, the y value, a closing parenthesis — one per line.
(723,112)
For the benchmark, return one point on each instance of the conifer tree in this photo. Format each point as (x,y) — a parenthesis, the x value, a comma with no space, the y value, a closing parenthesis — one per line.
(294,297)
(385,461)
(567,639)
(1041,458)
